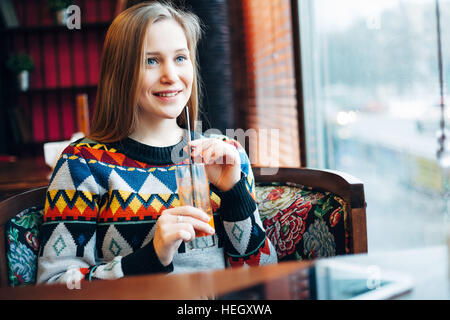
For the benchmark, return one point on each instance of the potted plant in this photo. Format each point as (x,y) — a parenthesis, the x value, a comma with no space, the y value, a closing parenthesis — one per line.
(20,65)
(59,7)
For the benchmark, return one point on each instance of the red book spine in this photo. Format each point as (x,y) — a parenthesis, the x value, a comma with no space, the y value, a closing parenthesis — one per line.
(38,120)
(90,11)
(67,107)
(53,121)
(31,9)
(78,56)
(64,60)
(35,53)
(49,61)
(94,59)
(48,16)
(105,13)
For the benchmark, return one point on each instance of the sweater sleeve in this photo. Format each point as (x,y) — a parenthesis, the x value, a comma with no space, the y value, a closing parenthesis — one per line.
(245,240)
(68,234)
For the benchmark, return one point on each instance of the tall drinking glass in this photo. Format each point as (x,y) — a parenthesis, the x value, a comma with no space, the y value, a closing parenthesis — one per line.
(193,190)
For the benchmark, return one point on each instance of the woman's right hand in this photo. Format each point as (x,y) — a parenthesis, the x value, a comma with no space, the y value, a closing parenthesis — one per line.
(170,231)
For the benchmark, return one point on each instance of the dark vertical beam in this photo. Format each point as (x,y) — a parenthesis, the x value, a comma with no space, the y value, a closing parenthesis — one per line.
(215,64)
(298,80)
(239,63)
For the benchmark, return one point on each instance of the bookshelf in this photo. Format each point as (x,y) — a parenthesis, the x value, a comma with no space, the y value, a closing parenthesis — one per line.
(67,64)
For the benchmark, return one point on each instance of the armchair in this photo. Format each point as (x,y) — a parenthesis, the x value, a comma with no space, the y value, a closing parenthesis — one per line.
(310,213)
(307,214)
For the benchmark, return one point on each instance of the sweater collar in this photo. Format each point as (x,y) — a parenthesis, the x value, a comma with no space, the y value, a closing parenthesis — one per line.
(153,155)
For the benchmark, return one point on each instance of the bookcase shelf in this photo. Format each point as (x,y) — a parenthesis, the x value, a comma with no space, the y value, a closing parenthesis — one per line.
(44,90)
(54,28)
(67,63)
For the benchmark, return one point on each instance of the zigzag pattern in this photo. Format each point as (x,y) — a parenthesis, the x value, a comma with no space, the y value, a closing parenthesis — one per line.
(100,152)
(120,204)
(125,206)
(70,205)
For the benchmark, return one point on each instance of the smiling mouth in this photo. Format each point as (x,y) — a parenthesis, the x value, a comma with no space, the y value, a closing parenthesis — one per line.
(167,95)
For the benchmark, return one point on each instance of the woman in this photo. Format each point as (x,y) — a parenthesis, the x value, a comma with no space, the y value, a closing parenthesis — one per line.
(111,207)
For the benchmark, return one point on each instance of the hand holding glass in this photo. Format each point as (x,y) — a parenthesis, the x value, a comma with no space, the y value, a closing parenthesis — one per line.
(193,190)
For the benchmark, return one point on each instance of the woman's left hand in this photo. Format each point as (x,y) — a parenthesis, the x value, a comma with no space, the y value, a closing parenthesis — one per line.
(222,161)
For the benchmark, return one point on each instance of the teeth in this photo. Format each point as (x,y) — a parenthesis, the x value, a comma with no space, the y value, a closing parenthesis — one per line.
(167,94)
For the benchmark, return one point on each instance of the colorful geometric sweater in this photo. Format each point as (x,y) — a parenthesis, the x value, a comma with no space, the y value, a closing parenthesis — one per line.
(103,202)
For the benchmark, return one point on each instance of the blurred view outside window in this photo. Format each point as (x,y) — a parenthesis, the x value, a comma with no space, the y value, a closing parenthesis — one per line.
(371,96)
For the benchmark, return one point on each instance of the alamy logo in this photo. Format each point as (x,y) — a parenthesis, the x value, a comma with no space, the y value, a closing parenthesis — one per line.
(73,17)
(263,145)
(73,278)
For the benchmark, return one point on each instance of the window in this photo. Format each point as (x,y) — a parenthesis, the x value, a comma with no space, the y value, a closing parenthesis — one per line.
(371,99)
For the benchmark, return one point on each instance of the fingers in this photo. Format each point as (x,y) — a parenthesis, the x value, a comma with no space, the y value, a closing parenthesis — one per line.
(184,231)
(197,225)
(191,219)
(181,231)
(199,148)
(187,211)
(170,231)
(213,151)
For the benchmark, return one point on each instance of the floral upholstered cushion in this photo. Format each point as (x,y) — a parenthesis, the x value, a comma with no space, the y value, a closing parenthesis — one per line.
(303,223)
(22,246)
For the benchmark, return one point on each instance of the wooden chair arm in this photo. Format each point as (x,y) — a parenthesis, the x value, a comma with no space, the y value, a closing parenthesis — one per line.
(15,204)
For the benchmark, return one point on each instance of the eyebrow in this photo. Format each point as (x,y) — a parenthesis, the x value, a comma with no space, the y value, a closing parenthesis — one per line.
(157,53)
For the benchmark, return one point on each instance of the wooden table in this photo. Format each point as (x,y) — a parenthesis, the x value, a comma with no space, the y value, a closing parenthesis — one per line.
(23,174)
(427,266)
(174,287)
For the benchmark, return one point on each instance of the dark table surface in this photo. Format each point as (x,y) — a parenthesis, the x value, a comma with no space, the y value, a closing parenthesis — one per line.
(23,174)
(427,267)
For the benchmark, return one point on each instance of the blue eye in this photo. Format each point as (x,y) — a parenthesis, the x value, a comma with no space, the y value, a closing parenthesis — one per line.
(150,61)
(182,57)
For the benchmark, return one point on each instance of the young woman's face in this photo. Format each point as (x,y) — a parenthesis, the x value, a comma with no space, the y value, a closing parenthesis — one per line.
(168,72)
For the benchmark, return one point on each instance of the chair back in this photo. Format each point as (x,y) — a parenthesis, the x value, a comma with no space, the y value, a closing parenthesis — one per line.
(311,213)
(9,209)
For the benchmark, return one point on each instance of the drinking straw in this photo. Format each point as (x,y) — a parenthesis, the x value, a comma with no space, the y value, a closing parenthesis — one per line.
(186,113)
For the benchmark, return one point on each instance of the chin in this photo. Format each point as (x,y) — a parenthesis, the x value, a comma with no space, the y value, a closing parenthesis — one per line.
(172,114)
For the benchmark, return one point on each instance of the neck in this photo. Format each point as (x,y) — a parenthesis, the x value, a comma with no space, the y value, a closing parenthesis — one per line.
(162,133)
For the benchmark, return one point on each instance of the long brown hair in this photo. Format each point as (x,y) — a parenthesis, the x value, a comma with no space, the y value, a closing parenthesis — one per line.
(115,113)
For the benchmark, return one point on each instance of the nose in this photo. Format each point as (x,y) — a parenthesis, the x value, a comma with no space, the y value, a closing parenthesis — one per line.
(169,73)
